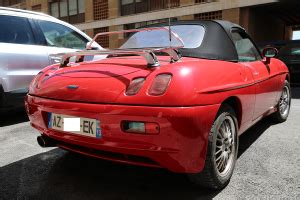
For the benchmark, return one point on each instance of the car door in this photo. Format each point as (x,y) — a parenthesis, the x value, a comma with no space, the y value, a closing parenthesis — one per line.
(60,39)
(20,58)
(265,82)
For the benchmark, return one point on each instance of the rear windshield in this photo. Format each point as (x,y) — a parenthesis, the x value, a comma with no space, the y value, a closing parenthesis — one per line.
(191,35)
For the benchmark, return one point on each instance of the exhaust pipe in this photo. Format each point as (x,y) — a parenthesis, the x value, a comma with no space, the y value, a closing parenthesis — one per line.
(45,141)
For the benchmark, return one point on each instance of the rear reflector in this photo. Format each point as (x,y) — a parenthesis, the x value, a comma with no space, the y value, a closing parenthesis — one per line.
(140,127)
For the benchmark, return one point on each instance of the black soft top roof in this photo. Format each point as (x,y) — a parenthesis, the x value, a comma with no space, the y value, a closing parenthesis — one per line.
(217,42)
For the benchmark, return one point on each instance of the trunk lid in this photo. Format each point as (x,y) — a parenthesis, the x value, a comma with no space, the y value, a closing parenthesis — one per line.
(96,82)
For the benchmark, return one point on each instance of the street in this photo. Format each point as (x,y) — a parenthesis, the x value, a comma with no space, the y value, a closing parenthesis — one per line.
(267,168)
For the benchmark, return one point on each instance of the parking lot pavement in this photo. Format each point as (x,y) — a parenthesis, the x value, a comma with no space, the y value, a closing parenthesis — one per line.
(267,168)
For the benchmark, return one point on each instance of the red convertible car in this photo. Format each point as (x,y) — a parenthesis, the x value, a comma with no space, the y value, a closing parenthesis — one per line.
(172,96)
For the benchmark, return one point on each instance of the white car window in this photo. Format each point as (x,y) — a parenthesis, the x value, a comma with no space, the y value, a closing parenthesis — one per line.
(15,30)
(58,35)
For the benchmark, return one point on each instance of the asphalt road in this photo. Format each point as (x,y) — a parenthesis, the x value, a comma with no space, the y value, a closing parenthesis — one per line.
(268,167)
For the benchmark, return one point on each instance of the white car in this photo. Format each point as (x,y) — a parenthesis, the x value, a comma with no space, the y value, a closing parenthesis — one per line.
(28,42)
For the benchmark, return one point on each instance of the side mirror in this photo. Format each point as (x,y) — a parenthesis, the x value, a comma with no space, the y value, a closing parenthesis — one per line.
(268,53)
(94,46)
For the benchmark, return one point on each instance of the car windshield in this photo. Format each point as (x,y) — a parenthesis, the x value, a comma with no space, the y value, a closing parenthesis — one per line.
(191,35)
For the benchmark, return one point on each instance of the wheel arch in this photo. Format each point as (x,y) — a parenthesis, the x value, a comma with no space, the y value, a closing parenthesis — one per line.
(235,103)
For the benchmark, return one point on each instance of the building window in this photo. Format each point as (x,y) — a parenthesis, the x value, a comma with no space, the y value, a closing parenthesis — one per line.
(37,8)
(71,11)
(204,1)
(73,8)
(146,23)
(11,2)
(54,9)
(81,6)
(129,7)
(100,9)
(209,15)
(103,40)
(63,8)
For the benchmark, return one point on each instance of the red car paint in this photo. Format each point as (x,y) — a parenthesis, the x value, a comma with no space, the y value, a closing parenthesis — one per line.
(185,113)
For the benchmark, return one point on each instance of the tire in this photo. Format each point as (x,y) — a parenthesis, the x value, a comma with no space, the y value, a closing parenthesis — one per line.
(284,104)
(215,175)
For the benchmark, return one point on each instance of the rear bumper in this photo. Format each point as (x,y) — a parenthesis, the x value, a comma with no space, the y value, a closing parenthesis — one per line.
(180,146)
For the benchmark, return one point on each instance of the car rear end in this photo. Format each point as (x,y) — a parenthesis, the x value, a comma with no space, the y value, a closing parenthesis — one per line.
(119,118)
(168,137)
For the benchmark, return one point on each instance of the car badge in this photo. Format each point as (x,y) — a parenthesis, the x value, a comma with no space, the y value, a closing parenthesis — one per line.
(73,87)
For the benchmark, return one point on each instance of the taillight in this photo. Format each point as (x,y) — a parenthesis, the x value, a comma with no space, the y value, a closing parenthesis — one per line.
(160,84)
(135,86)
(149,128)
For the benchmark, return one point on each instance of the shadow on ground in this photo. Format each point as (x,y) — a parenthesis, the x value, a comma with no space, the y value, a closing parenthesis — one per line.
(12,117)
(250,136)
(58,174)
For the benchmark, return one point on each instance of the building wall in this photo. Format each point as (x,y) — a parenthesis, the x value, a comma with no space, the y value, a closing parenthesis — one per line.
(186,2)
(106,15)
(43,4)
(262,26)
(89,16)
(113,7)
(232,15)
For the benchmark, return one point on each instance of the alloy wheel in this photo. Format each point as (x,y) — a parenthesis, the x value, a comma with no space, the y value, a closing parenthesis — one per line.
(225,146)
(284,102)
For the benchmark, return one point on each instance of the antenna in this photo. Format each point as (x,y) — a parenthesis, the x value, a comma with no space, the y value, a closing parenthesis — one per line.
(170,32)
